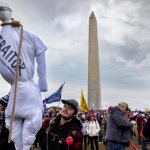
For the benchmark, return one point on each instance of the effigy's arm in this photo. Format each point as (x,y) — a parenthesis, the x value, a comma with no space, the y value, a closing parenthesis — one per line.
(41,70)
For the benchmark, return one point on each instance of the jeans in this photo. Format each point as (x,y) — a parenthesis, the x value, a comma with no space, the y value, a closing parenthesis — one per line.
(139,139)
(85,141)
(144,144)
(115,146)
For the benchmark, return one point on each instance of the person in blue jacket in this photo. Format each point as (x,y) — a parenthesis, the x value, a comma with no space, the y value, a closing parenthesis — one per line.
(118,128)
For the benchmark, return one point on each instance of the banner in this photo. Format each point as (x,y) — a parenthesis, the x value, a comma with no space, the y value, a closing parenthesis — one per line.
(83,105)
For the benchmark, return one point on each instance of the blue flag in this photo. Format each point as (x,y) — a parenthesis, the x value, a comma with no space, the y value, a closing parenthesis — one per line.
(55,97)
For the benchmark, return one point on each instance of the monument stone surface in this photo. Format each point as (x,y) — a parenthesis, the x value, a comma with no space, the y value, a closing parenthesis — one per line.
(94,91)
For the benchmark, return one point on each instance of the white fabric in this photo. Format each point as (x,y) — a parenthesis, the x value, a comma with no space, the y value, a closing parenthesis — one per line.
(84,127)
(93,128)
(29,102)
(24,131)
(41,69)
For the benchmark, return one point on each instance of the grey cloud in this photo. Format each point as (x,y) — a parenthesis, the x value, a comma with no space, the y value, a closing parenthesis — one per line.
(69,67)
(133,51)
(117,73)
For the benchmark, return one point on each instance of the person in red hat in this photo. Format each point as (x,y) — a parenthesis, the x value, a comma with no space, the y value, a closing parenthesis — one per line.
(65,130)
(110,108)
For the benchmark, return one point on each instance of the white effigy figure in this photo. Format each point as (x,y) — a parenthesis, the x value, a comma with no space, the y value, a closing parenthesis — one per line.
(29,105)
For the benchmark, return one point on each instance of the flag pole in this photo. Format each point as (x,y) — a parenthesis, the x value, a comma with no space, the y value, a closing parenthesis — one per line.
(60,98)
(61,91)
(44,98)
(58,103)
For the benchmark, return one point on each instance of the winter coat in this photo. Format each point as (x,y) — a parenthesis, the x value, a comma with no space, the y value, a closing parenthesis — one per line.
(93,128)
(57,135)
(146,129)
(4,145)
(118,127)
(84,128)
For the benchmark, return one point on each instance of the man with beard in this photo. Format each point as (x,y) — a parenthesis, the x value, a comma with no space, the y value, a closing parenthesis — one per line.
(63,126)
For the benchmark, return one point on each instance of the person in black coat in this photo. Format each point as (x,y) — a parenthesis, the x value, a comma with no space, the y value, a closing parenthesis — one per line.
(146,129)
(65,126)
(4,145)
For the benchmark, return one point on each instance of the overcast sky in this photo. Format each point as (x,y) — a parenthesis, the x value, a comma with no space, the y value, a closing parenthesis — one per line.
(124,46)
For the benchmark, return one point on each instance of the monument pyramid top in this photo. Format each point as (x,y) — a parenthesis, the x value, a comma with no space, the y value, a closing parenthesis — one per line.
(92,15)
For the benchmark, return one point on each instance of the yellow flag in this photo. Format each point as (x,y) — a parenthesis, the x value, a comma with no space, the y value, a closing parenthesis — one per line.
(83,105)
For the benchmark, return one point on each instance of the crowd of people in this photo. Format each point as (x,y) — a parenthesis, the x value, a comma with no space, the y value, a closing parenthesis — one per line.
(68,127)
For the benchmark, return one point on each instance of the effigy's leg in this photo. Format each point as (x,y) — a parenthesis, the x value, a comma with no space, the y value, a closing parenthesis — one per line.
(16,132)
(30,128)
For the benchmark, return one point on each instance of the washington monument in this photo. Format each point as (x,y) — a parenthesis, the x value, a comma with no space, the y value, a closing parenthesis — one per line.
(94,91)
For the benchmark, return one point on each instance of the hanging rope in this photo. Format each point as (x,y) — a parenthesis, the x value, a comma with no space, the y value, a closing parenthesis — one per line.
(15,24)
